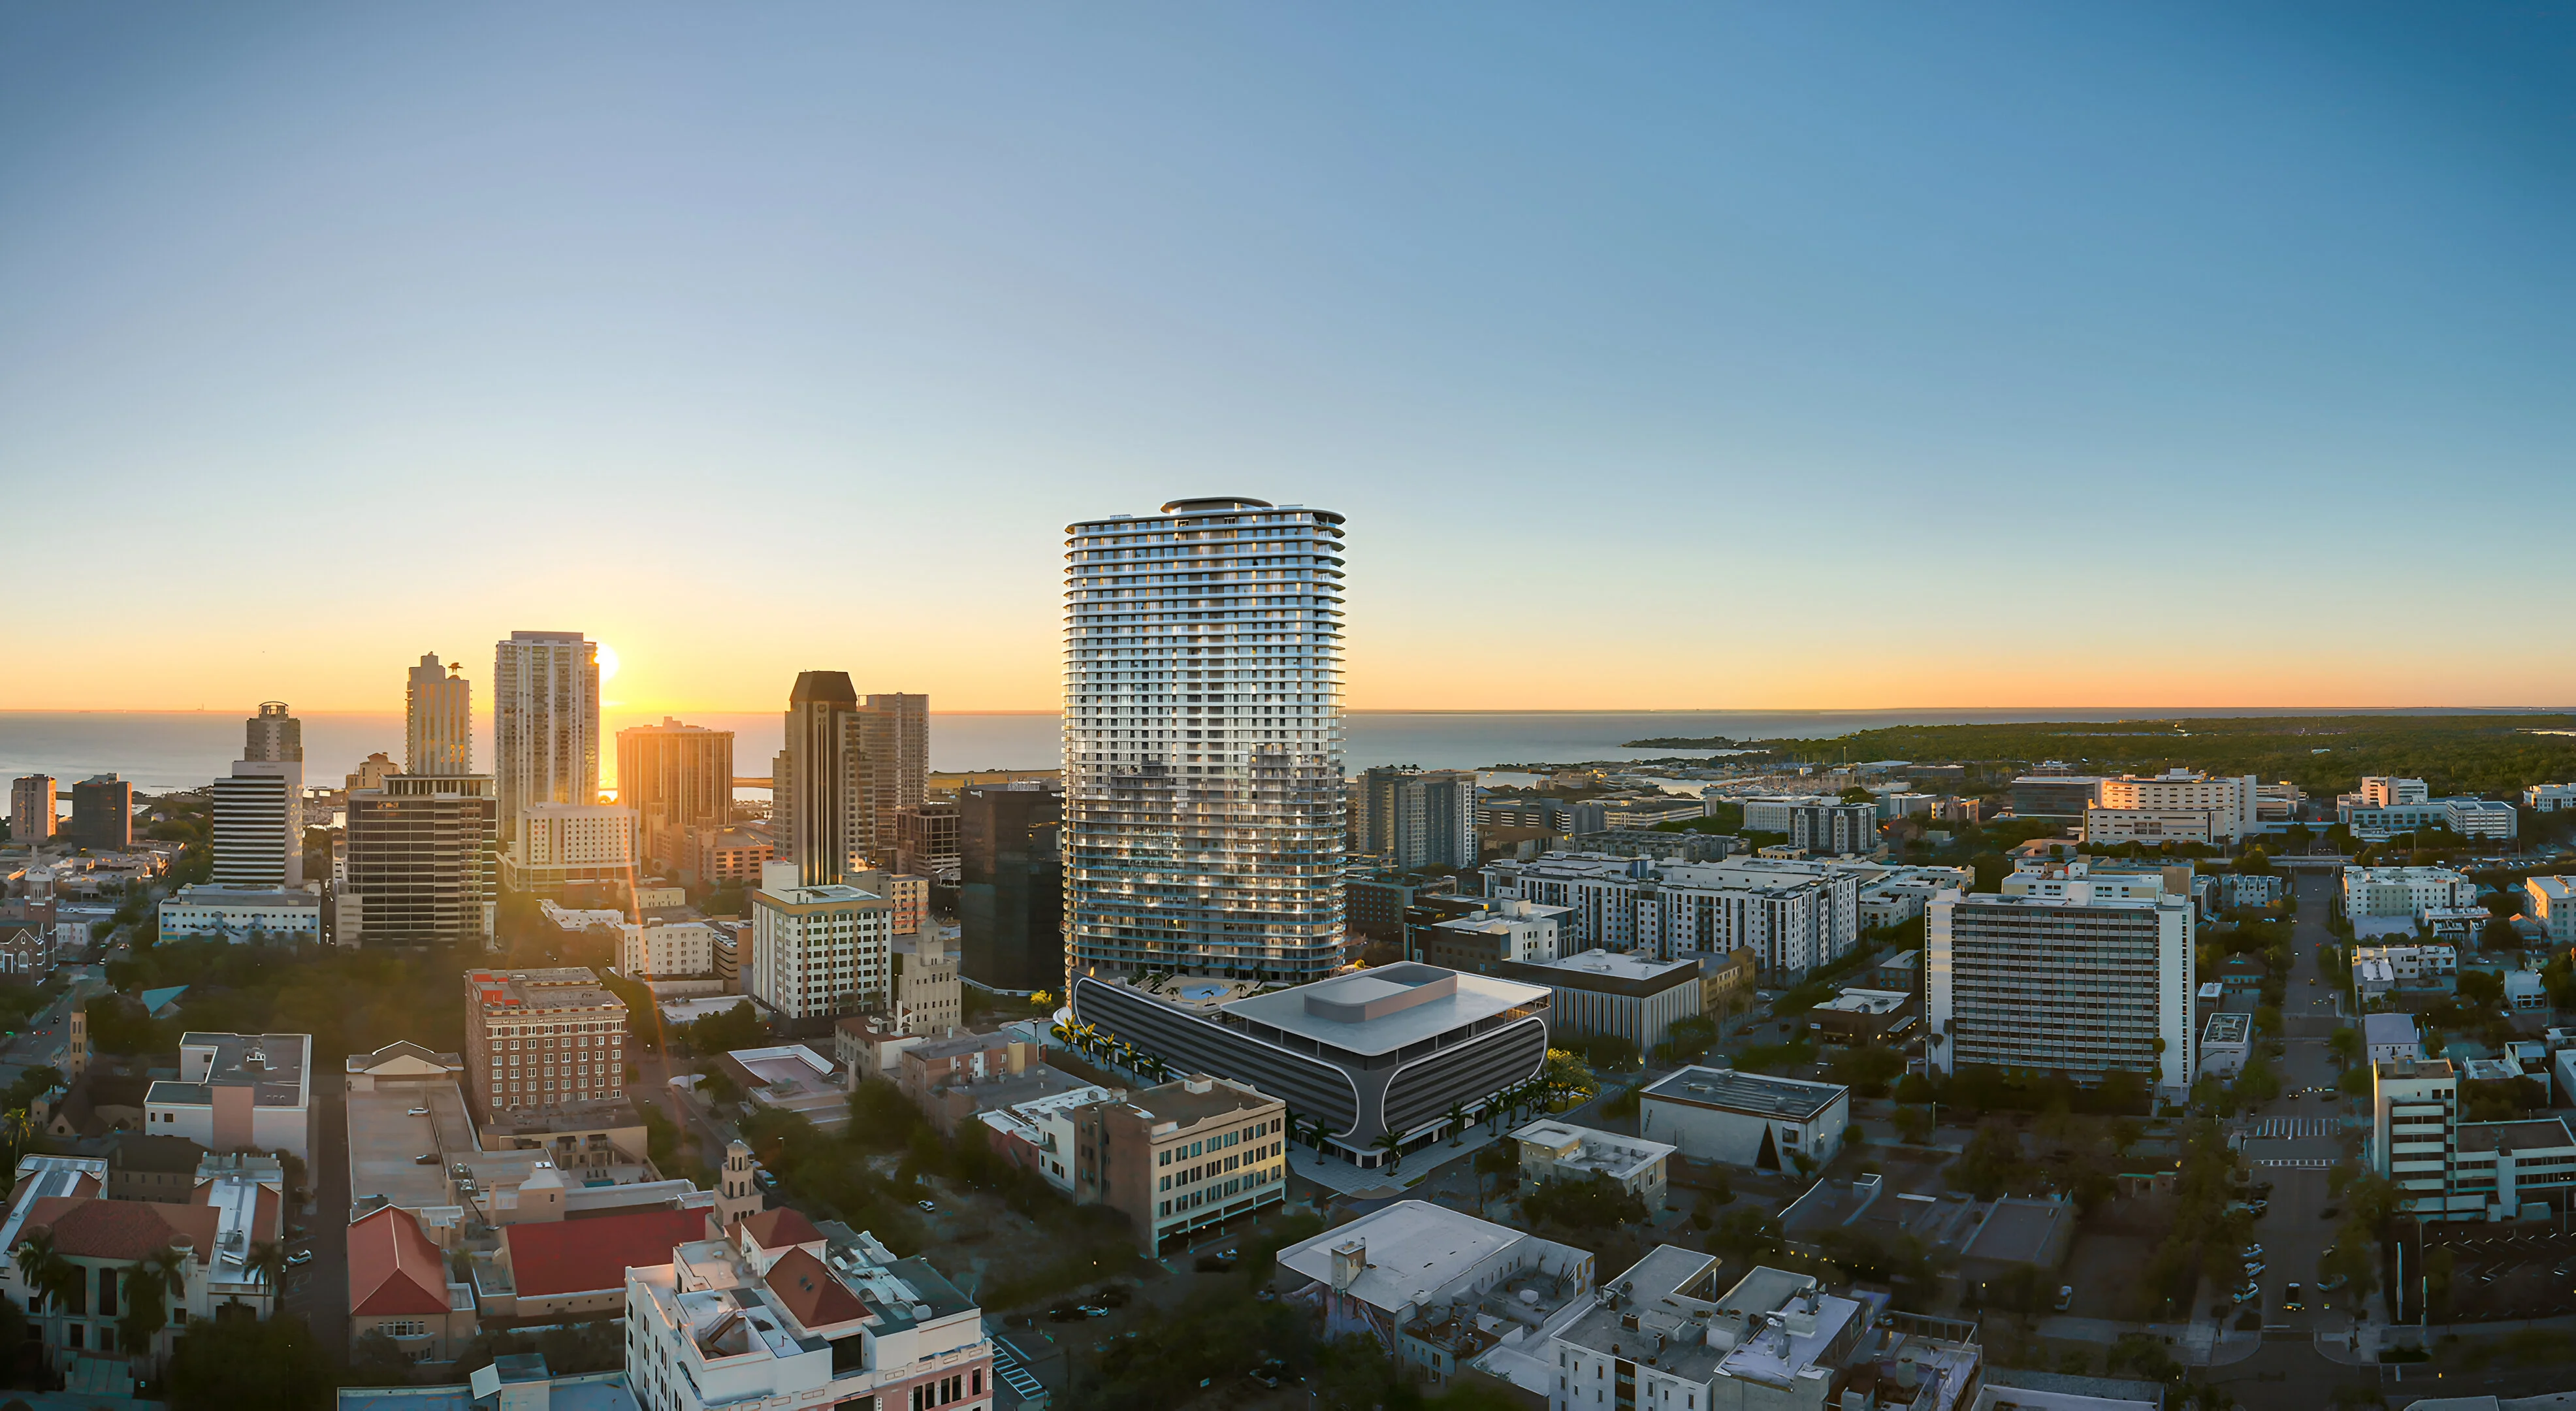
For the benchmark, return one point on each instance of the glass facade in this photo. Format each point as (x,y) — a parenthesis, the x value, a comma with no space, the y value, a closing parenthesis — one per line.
(1204,808)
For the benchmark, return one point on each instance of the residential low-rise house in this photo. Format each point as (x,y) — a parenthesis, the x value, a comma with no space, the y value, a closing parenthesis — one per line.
(2379,970)
(1551,1150)
(1746,1119)
(2389,1038)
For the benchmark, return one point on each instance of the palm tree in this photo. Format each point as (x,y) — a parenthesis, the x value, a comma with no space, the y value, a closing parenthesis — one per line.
(45,1272)
(267,1261)
(1457,1118)
(1393,1146)
(150,1284)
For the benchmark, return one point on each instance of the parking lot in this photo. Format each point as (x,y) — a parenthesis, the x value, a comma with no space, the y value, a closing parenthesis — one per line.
(2502,1271)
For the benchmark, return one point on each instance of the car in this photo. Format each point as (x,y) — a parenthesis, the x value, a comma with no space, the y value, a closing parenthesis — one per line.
(1094,1310)
(928,1207)
(2065,1297)
(2259,1207)
(2254,1268)
(2290,1299)
(2249,1293)
(426,1158)
(2330,1285)
(2253,1251)
(299,1259)
(417,1112)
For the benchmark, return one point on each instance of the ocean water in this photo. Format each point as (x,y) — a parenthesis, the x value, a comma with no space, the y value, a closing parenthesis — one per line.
(161,750)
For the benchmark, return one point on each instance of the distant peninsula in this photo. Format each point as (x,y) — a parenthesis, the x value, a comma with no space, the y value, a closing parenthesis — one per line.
(1712,742)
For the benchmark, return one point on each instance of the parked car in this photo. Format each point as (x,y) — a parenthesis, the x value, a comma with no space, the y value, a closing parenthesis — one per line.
(417,1112)
(2249,1293)
(1094,1310)
(928,1207)
(2290,1299)
(2253,1251)
(426,1158)
(299,1259)
(2065,1297)
(2254,1268)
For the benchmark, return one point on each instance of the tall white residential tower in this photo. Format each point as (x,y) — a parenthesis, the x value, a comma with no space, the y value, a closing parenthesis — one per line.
(545,722)
(1203,803)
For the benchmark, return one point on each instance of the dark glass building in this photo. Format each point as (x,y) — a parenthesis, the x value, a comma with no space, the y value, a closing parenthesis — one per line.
(1010,893)
(102,814)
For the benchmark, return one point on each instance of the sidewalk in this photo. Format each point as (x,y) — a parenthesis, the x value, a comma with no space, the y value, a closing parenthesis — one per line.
(1346,1179)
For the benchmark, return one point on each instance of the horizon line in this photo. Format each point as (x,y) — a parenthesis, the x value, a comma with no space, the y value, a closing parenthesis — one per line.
(2202,712)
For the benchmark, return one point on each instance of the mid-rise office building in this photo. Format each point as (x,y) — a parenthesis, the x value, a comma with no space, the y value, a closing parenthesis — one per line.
(237,914)
(1388,1050)
(258,834)
(421,860)
(2448,1169)
(1746,1119)
(676,778)
(2085,984)
(2231,803)
(1615,994)
(2042,795)
(545,722)
(1485,936)
(927,996)
(438,719)
(2551,901)
(562,843)
(102,814)
(2549,798)
(541,1041)
(1204,815)
(2407,892)
(2378,791)
(666,950)
(273,735)
(31,809)
(926,839)
(1010,895)
(1414,818)
(1182,1158)
(817,952)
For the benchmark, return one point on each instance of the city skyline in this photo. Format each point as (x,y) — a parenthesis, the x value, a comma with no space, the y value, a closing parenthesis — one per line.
(1786,319)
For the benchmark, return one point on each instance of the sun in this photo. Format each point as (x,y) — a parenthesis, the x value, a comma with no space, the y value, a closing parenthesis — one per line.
(607,661)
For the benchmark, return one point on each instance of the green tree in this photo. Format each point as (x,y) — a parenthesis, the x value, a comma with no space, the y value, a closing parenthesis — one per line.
(44,1270)
(227,1363)
(1595,1203)
(2484,987)
(149,1285)
(2345,1044)
(1749,1234)
(1914,1124)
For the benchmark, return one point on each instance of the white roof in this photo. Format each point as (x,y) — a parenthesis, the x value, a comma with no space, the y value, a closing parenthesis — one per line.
(1382,1010)
(1413,1248)
(1620,964)
(2377,1029)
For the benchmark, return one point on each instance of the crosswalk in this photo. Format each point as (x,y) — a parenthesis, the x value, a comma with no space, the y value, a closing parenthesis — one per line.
(2298,1163)
(1008,1371)
(2287,1127)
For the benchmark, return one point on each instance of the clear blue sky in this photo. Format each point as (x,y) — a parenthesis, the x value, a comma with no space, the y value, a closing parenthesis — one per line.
(1893,355)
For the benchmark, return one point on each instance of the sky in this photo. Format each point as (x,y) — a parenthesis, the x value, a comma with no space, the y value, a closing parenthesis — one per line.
(1661,356)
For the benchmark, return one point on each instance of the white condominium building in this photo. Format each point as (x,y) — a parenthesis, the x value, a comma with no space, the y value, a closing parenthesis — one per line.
(1599,894)
(2080,984)
(1793,913)
(2232,803)
(2404,891)
(1204,813)
(545,722)
(817,952)
(2447,1169)
(658,950)
(2056,881)
(571,842)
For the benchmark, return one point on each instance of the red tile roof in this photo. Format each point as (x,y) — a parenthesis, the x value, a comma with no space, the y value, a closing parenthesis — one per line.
(394,1266)
(811,1293)
(778,1229)
(126,1230)
(585,1256)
